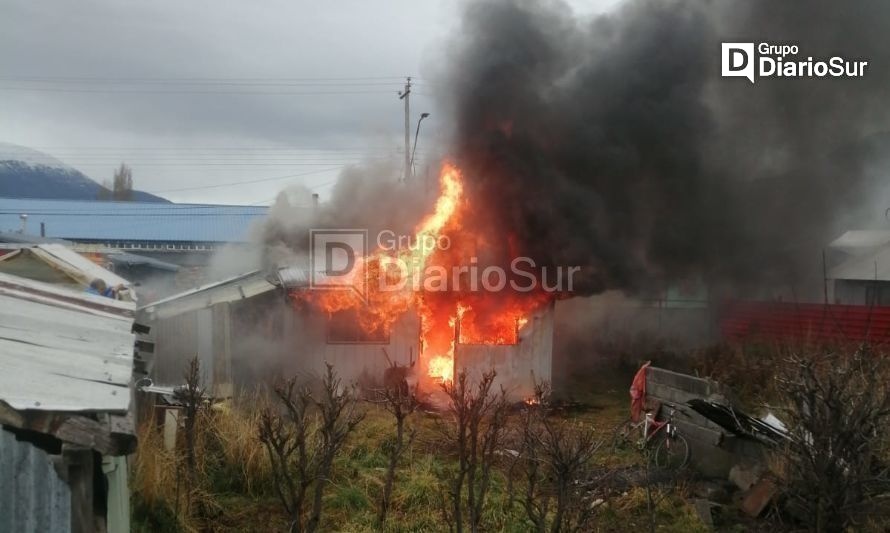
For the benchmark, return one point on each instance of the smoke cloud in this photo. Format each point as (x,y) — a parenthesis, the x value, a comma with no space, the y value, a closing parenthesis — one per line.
(613,143)
(366,196)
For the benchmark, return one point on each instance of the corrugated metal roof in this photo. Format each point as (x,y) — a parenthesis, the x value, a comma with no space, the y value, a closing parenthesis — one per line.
(129,260)
(13,241)
(232,289)
(70,263)
(26,238)
(63,350)
(77,265)
(293,277)
(34,497)
(131,221)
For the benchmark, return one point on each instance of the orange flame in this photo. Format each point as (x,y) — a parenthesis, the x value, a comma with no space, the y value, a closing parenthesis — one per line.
(478,317)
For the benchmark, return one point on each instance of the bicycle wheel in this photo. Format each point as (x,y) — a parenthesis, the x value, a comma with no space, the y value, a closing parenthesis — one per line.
(623,435)
(672,452)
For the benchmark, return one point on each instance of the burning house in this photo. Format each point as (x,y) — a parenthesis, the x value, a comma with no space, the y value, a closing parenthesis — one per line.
(257,326)
(433,310)
(638,166)
(573,145)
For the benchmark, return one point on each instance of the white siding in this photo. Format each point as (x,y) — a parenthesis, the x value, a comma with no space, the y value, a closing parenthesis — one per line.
(353,362)
(518,366)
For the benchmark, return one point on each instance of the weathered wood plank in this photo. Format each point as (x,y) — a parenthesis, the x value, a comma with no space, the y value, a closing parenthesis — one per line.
(59,355)
(62,297)
(76,265)
(80,430)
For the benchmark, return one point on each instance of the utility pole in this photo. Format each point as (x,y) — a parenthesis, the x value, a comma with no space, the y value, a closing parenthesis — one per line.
(406,96)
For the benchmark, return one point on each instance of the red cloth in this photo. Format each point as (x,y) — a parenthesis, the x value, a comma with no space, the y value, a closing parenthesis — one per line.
(638,393)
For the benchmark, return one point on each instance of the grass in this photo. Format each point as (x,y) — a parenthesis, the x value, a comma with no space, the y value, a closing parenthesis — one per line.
(236,491)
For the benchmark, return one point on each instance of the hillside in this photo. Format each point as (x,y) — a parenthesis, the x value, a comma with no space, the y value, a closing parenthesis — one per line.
(27,173)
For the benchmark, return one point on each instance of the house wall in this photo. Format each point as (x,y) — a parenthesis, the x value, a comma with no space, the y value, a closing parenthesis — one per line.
(205,333)
(354,362)
(518,366)
(265,338)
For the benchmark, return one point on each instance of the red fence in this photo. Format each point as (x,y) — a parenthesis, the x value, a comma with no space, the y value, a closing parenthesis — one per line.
(815,322)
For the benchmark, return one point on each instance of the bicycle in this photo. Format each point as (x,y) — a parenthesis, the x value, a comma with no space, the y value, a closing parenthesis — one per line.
(671,450)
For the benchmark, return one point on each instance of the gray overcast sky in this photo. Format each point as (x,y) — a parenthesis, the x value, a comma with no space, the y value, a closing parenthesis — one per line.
(99,82)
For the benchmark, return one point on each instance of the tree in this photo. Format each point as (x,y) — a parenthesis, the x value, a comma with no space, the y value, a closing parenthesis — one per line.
(122,188)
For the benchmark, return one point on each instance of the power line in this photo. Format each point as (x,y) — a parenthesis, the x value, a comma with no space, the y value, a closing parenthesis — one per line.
(216,161)
(141,91)
(206,157)
(216,157)
(165,215)
(238,183)
(143,208)
(214,165)
(248,181)
(201,151)
(395,79)
(222,83)
(134,208)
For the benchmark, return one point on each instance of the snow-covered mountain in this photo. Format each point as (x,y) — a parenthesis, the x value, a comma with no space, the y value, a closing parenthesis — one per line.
(27,173)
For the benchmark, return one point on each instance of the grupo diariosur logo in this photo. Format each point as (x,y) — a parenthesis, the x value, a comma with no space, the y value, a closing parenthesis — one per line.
(333,257)
(783,61)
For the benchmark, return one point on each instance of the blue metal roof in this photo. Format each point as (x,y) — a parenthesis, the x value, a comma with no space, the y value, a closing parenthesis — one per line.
(131,221)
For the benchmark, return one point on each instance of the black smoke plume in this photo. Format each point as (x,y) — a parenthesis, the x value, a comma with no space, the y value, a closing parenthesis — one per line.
(613,143)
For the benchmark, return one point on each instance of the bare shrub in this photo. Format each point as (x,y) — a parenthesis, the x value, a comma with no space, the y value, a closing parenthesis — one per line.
(475,429)
(303,442)
(836,405)
(555,467)
(400,403)
(193,400)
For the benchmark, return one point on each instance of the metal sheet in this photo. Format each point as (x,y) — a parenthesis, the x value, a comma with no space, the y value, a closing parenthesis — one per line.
(34,497)
(232,289)
(63,350)
(293,277)
(76,265)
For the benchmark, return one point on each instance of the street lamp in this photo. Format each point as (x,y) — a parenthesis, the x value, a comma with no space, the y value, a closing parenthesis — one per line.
(416,133)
